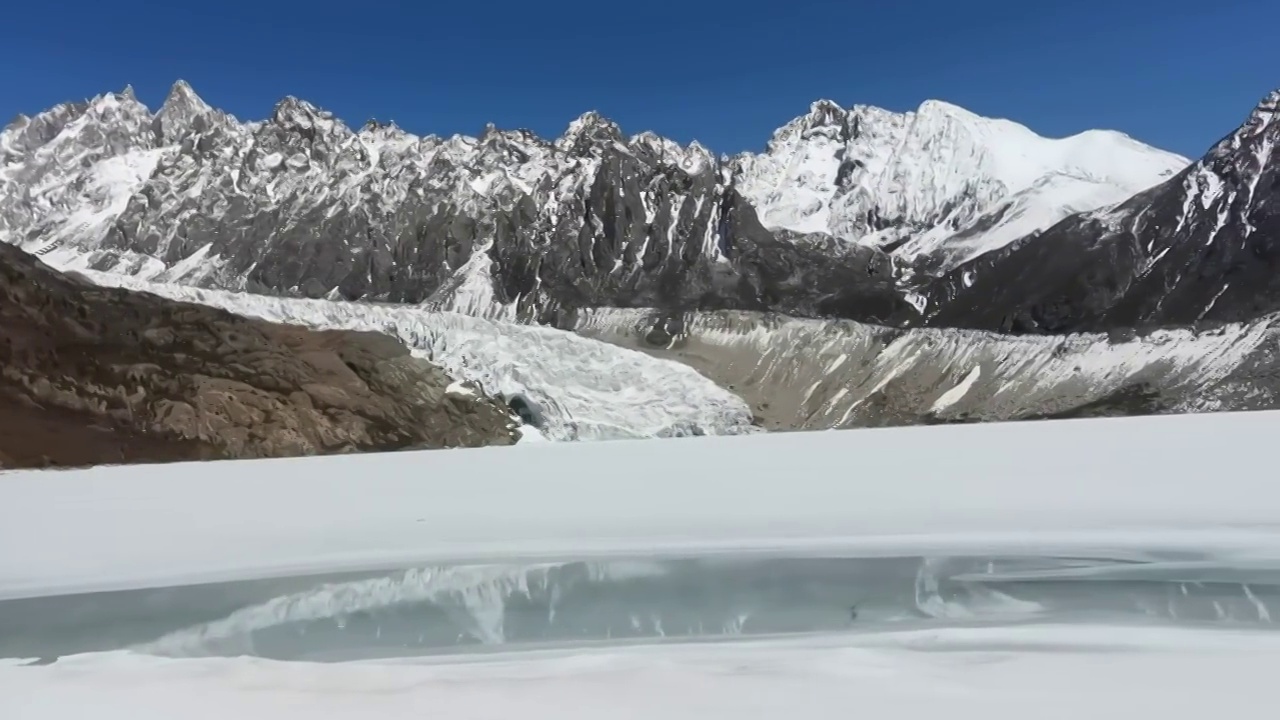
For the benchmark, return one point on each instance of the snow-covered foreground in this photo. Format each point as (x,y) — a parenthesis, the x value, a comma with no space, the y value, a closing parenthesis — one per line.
(587,390)
(1115,485)
(1155,542)
(994,673)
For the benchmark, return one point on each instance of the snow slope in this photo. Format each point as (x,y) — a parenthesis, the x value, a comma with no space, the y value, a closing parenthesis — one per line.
(944,491)
(1053,673)
(1021,488)
(586,389)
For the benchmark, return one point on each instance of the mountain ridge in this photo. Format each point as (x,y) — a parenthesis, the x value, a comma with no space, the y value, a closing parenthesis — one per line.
(857,213)
(425,205)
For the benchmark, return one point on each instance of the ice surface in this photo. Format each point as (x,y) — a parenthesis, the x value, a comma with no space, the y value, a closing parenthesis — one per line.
(1043,672)
(468,609)
(1031,488)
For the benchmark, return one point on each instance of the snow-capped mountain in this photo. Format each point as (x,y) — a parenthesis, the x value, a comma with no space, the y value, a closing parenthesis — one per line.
(1203,246)
(510,226)
(301,204)
(940,184)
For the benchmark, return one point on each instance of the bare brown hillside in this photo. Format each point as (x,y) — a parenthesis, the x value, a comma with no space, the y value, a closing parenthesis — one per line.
(93,375)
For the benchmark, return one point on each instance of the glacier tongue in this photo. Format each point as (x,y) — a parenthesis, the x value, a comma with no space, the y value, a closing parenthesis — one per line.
(587,390)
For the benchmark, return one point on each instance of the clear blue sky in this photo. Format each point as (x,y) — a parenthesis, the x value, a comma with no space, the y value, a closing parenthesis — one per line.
(1175,73)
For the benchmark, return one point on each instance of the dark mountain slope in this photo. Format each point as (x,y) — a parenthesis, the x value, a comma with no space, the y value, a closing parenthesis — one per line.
(1203,247)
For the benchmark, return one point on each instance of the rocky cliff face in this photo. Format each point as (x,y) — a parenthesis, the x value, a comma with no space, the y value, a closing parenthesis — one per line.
(94,375)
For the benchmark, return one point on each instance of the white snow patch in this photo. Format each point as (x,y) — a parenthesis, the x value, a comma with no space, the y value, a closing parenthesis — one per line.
(460,390)
(952,396)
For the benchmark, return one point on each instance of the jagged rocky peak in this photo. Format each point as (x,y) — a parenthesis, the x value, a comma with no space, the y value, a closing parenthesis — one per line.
(589,130)
(182,95)
(13,142)
(99,125)
(300,116)
(494,137)
(825,119)
(826,112)
(660,151)
(391,136)
(826,116)
(1242,157)
(26,134)
(526,136)
(111,125)
(1264,120)
(517,151)
(116,112)
(310,136)
(183,113)
(1268,111)
(111,106)
(652,141)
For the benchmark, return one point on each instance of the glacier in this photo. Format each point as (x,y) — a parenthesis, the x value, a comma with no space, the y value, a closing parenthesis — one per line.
(741,372)
(586,390)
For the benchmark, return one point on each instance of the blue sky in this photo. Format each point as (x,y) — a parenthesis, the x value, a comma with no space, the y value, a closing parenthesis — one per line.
(1175,73)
